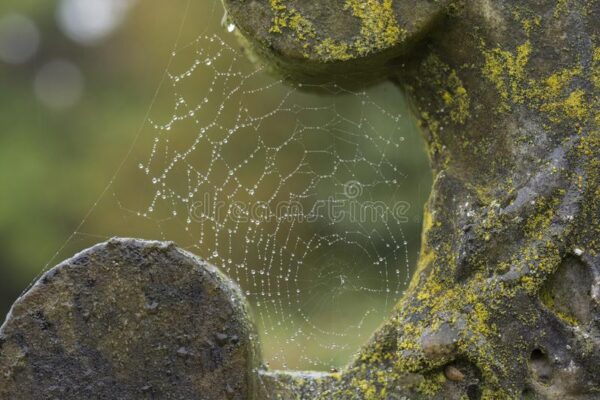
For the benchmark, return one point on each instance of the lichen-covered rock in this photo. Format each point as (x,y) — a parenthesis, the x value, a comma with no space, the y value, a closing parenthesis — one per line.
(310,39)
(507,94)
(129,319)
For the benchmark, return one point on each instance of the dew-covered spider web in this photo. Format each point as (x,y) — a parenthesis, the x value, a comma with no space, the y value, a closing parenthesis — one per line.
(295,191)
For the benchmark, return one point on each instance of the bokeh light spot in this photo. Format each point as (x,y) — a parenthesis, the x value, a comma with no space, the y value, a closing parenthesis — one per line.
(88,22)
(59,84)
(19,39)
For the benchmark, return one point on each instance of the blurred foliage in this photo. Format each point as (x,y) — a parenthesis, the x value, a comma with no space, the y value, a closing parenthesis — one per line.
(54,164)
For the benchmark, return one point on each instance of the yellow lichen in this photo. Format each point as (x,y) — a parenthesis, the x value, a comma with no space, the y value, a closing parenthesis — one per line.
(527,19)
(379,29)
(595,72)
(457,99)
(507,72)
(549,302)
(289,17)
(450,88)
(562,6)
(330,49)
(553,95)
(432,385)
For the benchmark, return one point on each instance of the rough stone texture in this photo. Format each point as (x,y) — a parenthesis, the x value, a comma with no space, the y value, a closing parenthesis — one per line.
(312,40)
(507,290)
(129,319)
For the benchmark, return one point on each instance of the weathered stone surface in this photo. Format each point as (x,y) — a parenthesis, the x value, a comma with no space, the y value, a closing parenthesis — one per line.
(508,97)
(129,319)
(312,40)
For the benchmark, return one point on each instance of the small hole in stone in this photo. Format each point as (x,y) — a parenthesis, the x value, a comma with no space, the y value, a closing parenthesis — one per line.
(540,366)
(473,392)
(527,394)
(537,354)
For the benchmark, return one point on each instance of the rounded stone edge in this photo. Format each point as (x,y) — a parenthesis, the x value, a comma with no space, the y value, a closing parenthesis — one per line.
(230,289)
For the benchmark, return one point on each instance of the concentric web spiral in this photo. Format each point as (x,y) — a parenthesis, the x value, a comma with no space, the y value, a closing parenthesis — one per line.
(293,191)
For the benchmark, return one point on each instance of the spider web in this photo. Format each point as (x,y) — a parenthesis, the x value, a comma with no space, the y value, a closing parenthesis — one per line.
(293,190)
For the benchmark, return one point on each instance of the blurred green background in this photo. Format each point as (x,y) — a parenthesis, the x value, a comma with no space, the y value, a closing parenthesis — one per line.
(77,78)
